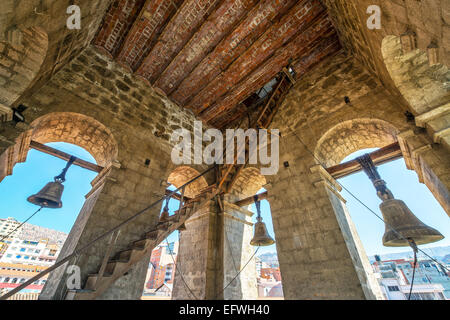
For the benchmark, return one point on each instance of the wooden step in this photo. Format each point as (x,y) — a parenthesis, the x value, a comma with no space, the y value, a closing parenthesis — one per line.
(92,280)
(114,266)
(80,294)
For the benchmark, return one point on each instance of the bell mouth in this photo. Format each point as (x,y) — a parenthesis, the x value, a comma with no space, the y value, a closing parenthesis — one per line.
(46,203)
(421,235)
(262,243)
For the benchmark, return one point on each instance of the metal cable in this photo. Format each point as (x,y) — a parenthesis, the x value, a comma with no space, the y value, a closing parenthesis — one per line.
(176,268)
(4,237)
(414,273)
(102,236)
(241,269)
(357,199)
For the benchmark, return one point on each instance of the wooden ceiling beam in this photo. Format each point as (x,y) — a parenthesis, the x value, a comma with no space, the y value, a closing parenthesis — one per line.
(297,20)
(219,24)
(257,21)
(301,66)
(301,45)
(144,33)
(176,34)
(116,24)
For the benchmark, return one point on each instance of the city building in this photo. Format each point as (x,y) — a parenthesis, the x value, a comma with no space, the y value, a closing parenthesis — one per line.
(8,227)
(13,274)
(394,277)
(30,252)
(161,269)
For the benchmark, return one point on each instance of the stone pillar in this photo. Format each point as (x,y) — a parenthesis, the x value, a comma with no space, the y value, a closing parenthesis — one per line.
(117,194)
(214,247)
(199,260)
(238,232)
(319,252)
(431,161)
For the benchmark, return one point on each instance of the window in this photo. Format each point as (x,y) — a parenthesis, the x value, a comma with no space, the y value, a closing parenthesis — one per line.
(22,249)
(37,251)
(393,288)
(18,256)
(26,257)
(14,280)
(9,255)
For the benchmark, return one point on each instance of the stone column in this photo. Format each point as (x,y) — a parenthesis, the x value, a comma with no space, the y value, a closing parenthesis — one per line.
(117,194)
(238,233)
(199,260)
(214,247)
(431,161)
(319,252)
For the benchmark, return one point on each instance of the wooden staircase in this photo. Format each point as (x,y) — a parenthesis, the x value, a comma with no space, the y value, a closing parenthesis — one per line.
(117,266)
(230,172)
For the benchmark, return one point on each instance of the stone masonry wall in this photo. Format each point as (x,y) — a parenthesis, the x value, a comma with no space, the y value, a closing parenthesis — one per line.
(140,122)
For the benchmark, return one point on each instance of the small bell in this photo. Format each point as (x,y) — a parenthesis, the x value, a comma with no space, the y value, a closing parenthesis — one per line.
(165,214)
(50,194)
(402,227)
(398,216)
(261,238)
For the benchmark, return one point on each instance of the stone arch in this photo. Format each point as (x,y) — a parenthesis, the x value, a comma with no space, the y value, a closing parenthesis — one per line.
(353,135)
(248,183)
(74,128)
(183,174)
(20,62)
(78,129)
(422,81)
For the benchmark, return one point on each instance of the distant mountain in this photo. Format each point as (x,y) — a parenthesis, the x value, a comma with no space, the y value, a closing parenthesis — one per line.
(271,258)
(446,259)
(439,253)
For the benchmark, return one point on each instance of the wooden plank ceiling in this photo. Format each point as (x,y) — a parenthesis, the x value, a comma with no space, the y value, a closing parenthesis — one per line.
(210,55)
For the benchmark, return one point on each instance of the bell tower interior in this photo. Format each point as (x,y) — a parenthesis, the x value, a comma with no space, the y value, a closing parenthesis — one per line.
(300,85)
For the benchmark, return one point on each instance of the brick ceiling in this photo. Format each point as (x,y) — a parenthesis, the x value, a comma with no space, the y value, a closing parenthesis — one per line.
(210,55)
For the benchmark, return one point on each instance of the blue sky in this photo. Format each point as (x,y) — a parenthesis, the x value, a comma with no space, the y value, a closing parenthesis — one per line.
(40,168)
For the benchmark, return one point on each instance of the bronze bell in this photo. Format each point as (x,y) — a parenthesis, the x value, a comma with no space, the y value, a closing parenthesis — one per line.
(49,196)
(402,227)
(261,237)
(406,225)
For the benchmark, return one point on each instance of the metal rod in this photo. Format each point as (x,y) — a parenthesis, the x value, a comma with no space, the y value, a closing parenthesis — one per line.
(88,245)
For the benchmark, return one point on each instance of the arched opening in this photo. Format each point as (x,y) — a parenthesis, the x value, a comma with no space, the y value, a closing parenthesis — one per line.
(70,133)
(265,265)
(345,141)
(20,63)
(169,260)
(395,283)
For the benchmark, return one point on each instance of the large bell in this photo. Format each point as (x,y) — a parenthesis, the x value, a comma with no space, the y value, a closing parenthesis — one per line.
(398,216)
(49,196)
(261,237)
